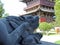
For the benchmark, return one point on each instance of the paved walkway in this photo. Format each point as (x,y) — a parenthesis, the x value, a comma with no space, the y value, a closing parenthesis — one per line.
(49,40)
(48,43)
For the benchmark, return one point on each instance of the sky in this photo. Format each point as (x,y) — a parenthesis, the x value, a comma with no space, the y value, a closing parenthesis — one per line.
(14,7)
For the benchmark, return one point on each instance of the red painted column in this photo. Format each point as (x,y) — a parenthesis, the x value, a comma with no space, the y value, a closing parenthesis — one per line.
(42,19)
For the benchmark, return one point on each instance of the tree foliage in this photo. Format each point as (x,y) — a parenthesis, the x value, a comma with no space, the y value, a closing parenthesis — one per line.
(1,9)
(57,12)
(45,26)
(6,14)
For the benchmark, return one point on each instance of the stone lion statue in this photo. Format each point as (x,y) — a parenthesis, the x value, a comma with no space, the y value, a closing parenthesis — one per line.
(19,30)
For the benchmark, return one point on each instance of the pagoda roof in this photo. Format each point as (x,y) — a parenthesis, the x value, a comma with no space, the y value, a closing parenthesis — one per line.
(42,9)
(42,2)
(46,10)
(32,5)
(24,0)
(35,10)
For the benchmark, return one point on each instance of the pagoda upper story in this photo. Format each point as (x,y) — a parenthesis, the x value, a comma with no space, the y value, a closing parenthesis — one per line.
(32,3)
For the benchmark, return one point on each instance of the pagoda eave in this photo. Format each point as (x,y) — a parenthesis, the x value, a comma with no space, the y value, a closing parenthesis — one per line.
(42,9)
(29,7)
(47,10)
(24,1)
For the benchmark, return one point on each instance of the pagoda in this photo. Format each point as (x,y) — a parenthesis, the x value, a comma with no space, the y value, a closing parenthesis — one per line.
(43,8)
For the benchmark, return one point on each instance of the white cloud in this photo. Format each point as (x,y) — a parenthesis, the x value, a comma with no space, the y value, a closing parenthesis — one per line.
(14,7)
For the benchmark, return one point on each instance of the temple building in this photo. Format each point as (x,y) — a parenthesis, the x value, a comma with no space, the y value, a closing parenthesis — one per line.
(43,8)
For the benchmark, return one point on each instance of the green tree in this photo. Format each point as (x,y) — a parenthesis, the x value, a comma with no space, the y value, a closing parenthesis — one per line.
(6,14)
(45,27)
(57,12)
(1,9)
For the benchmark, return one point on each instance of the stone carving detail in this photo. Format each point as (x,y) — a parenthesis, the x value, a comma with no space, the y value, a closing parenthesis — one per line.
(19,30)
